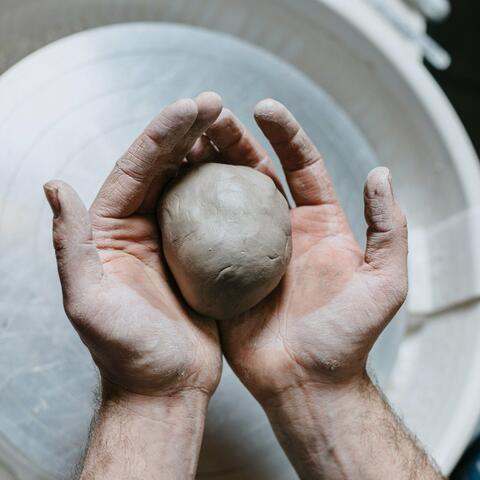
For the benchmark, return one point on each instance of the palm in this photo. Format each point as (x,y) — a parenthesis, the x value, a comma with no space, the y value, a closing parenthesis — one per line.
(293,326)
(325,257)
(143,317)
(131,256)
(334,298)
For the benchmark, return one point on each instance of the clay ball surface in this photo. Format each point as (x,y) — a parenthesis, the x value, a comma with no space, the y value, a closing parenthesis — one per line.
(226,237)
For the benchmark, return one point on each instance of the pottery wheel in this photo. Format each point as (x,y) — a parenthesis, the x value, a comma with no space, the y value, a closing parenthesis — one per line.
(68,111)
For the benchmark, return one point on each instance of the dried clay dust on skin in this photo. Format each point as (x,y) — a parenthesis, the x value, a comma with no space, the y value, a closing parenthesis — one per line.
(226,237)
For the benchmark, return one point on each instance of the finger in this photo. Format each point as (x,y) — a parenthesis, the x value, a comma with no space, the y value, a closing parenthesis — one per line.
(209,106)
(149,156)
(78,263)
(238,146)
(173,129)
(203,151)
(306,174)
(387,242)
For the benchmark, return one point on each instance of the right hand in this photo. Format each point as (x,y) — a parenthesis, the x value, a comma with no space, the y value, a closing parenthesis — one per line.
(116,287)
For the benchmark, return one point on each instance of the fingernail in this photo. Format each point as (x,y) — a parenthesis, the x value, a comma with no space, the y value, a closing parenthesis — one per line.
(51,193)
(378,182)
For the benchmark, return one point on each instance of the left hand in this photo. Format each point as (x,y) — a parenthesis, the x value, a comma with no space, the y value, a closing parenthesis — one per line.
(318,326)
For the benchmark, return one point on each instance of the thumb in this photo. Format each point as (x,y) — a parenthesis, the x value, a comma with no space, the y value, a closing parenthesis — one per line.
(78,263)
(387,242)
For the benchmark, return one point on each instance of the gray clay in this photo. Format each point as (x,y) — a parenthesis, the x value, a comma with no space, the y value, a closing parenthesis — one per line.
(226,237)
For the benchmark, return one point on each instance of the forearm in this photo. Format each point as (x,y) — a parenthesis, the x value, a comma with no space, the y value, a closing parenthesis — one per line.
(137,437)
(346,433)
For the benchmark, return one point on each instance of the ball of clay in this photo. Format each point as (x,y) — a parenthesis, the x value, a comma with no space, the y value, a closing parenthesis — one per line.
(226,237)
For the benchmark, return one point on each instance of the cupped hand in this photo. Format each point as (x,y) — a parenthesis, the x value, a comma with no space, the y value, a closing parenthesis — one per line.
(116,287)
(335,299)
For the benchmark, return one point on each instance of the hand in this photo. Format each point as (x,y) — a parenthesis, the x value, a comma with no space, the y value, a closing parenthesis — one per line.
(303,350)
(116,288)
(319,325)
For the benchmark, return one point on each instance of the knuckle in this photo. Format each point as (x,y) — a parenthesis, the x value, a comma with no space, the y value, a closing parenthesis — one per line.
(380,242)
(142,155)
(128,166)
(151,145)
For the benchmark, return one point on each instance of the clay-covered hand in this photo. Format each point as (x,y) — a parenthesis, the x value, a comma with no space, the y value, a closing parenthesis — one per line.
(116,288)
(335,299)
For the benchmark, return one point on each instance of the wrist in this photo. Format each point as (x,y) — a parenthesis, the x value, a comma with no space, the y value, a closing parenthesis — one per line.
(274,381)
(313,422)
(145,436)
(331,395)
(346,430)
(181,405)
